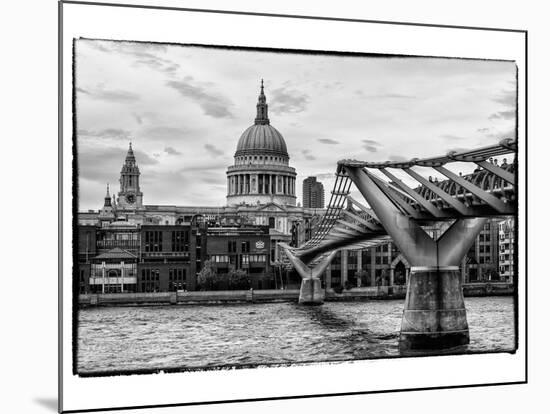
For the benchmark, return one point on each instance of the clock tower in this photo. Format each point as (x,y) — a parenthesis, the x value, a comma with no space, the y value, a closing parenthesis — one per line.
(129,196)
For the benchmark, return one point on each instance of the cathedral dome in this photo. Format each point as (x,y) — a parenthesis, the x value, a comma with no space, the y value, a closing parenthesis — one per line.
(261,139)
(261,173)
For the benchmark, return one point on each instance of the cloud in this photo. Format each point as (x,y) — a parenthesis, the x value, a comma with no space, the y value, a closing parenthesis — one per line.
(333,85)
(171,151)
(145,54)
(503,115)
(205,166)
(452,137)
(328,141)
(387,95)
(212,104)
(138,118)
(213,178)
(325,176)
(506,98)
(143,159)
(112,133)
(458,149)
(102,164)
(509,133)
(213,150)
(371,145)
(307,155)
(162,132)
(110,95)
(288,101)
(162,65)
(398,158)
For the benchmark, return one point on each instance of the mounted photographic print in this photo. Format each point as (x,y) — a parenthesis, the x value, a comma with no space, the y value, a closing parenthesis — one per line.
(246,213)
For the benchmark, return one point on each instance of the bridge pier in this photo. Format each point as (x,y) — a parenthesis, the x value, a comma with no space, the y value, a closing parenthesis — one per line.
(311,292)
(434,315)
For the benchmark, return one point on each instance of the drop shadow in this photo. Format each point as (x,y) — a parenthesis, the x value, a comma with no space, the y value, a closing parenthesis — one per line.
(47,402)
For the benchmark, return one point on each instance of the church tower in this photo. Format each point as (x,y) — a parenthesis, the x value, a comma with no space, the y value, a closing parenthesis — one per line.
(129,196)
(107,212)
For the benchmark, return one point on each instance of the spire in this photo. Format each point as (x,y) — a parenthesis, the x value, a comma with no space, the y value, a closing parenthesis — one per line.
(130,158)
(107,198)
(261,108)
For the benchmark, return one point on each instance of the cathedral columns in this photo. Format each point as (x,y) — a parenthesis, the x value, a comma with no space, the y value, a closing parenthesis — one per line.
(286,185)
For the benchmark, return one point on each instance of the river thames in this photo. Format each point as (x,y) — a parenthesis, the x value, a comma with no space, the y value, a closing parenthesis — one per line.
(115,339)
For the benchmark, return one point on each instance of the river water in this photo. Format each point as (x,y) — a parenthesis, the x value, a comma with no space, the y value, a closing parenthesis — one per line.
(122,339)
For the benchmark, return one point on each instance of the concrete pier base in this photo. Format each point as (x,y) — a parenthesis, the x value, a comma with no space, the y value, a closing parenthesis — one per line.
(311,292)
(434,316)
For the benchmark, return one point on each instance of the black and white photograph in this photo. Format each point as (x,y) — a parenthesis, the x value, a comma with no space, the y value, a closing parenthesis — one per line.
(253,207)
(262,210)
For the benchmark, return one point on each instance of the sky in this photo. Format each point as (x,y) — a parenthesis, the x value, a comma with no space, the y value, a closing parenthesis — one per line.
(185,107)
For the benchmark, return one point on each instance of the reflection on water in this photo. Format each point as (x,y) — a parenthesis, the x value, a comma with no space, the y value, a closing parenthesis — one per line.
(170,337)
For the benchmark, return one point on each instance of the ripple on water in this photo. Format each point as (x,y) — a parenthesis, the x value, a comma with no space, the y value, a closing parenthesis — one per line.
(135,338)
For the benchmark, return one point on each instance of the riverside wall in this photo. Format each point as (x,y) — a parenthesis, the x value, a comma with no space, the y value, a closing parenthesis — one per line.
(273,295)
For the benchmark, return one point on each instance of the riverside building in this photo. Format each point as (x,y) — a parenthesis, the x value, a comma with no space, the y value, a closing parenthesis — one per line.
(260,195)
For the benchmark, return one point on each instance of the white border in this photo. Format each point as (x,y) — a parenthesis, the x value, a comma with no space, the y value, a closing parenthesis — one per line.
(187,27)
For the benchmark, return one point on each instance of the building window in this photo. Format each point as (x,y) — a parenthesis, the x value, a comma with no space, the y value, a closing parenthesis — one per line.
(177,279)
(153,241)
(180,241)
(245,247)
(150,280)
(219,258)
(232,246)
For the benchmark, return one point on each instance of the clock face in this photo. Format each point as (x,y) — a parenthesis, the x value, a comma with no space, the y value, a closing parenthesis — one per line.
(130,198)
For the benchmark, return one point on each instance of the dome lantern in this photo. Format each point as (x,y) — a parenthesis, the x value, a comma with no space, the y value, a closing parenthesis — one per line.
(261,108)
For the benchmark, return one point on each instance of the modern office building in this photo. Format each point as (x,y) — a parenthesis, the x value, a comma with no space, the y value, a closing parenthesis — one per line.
(313,193)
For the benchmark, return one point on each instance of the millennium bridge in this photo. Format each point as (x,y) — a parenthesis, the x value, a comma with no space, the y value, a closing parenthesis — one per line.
(434,315)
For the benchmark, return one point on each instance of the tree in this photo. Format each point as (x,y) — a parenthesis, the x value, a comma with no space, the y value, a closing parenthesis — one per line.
(207,278)
(238,280)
